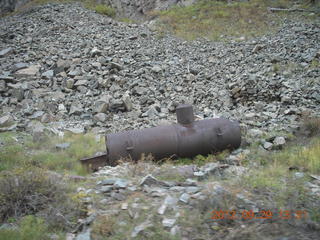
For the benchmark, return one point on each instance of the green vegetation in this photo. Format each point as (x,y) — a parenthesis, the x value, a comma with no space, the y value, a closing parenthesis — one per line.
(275,177)
(90,4)
(31,228)
(200,160)
(105,10)
(45,155)
(219,20)
(34,191)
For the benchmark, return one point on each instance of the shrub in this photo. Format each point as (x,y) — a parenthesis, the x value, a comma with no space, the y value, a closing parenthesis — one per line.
(312,124)
(103,226)
(34,191)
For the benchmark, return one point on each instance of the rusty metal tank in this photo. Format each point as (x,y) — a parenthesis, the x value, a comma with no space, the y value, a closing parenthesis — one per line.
(187,138)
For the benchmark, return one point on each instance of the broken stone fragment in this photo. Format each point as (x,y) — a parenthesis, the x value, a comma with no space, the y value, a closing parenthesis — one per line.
(121,183)
(6,51)
(140,228)
(279,142)
(127,101)
(100,117)
(76,109)
(267,145)
(150,180)
(184,198)
(7,123)
(62,146)
(168,222)
(19,66)
(106,189)
(32,70)
(48,74)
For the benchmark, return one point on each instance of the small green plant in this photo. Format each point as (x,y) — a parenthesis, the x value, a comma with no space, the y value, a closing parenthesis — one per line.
(105,10)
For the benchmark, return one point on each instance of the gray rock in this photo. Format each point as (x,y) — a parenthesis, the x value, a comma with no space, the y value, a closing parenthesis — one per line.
(256,133)
(121,183)
(81,83)
(108,181)
(48,74)
(95,52)
(151,112)
(279,142)
(127,101)
(6,121)
(138,229)
(69,83)
(168,222)
(150,181)
(184,198)
(175,231)
(75,130)
(267,145)
(19,66)
(3,86)
(100,107)
(63,146)
(118,196)
(37,115)
(18,93)
(169,201)
(299,174)
(106,189)
(47,117)
(85,235)
(74,73)
(117,105)
(32,70)
(76,109)
(191,190)
(100,117)
(156,69)
(6,51)
(115,65)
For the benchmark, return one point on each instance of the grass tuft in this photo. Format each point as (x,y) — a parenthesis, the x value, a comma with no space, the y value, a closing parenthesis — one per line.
(105,10)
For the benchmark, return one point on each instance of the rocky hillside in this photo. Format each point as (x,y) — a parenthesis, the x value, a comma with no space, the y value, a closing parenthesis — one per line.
(69,67)
(64,68)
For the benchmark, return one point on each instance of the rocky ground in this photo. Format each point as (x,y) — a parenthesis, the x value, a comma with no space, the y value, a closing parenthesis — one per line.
(65,68)
(68,67)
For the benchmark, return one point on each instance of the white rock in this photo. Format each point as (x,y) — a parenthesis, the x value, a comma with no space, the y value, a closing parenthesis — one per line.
(168,222)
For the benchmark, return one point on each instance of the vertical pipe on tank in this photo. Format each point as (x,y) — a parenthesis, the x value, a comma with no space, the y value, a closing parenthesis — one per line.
(185,114)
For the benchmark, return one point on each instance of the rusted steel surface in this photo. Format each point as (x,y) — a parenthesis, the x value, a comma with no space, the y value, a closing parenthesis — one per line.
(187,138)
(94,163)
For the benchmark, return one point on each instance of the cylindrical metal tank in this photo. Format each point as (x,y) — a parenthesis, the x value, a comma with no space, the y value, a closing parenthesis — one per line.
(187,138)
